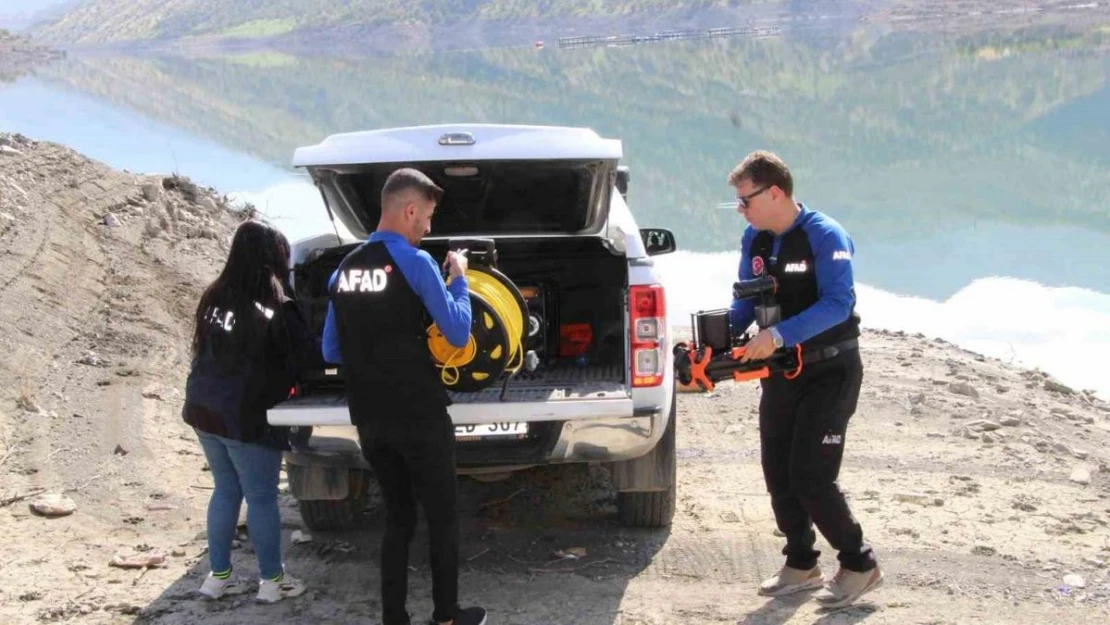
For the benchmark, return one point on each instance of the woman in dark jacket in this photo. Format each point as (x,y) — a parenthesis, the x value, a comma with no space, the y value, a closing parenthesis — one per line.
(248,338)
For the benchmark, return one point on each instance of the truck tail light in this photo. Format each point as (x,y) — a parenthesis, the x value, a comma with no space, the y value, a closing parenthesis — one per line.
(647,316)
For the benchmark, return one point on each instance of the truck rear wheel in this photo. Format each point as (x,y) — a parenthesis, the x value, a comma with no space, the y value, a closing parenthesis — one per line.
(338,514)
(654,508)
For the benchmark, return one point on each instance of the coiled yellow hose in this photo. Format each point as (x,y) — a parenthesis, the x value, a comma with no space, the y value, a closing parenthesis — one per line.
(492,304)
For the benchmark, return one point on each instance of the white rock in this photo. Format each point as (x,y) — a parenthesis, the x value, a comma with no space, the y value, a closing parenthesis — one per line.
(1080,475)
(1075,581)
(54,505)
(152,192)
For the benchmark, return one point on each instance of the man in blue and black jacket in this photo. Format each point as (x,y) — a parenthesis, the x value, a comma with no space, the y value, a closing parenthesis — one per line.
(376,327)
(803,420)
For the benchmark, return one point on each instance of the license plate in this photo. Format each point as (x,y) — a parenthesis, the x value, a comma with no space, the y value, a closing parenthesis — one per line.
(491,430)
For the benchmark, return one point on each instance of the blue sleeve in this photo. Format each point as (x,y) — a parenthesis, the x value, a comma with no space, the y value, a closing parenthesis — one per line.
(330,346)
(742,312)
(832,259)
(449,306)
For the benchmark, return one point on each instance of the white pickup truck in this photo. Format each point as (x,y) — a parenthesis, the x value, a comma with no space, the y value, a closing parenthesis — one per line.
(553,201)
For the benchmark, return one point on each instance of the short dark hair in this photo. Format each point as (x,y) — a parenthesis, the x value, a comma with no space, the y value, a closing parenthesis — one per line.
(763,168)
(408,178)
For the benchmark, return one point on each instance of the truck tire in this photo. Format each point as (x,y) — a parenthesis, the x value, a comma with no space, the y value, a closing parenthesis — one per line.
(654,508)
(338,514)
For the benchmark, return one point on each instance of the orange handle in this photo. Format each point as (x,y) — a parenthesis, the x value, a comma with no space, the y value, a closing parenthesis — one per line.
(697,369)
(744,376)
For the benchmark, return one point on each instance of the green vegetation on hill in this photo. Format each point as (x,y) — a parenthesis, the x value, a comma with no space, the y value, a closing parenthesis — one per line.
(905,133)
(101,21)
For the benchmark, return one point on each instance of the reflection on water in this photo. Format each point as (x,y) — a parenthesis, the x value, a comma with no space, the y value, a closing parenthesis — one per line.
(969,168)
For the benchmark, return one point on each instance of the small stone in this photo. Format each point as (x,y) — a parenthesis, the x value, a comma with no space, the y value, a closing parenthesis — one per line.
(983,550)
(53,505)
(152,192)
(120,451)
(111,220)
(1075,581)
(1056,387)
(140,561)
(6,149)
(919,498)
(963,388)
(92,359)
(1010,422)
(734,428)
(1080,475)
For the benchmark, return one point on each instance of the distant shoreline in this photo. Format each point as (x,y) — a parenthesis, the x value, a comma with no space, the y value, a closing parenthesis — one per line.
(19,55)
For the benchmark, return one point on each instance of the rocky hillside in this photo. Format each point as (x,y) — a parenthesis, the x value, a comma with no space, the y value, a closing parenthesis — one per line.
(99,21)
(99,274)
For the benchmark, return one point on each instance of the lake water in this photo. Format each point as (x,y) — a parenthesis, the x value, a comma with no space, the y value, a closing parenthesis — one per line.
(971,169)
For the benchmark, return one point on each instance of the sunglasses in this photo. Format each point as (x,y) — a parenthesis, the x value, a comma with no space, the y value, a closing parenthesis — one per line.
(743,200)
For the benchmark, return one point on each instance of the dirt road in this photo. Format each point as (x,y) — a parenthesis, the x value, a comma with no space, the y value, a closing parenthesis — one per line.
(983,488)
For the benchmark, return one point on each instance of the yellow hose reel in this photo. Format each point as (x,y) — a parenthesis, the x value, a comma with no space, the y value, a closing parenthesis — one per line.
(497,332)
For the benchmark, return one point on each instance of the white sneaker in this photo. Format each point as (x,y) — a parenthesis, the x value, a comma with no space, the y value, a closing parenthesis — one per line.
(847,587)
(789,581)
(214,587)
(271,592)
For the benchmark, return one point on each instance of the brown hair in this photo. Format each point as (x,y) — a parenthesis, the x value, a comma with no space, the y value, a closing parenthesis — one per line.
(763,168)
(408,178)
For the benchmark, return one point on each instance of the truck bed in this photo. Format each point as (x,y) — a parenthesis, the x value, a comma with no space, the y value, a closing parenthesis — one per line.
(559,393)
(564,382)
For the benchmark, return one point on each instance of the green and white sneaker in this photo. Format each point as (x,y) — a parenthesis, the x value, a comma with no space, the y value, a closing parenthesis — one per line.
(215,587)
(270,591)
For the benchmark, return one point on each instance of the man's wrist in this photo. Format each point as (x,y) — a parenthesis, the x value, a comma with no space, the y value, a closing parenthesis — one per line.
(776,337)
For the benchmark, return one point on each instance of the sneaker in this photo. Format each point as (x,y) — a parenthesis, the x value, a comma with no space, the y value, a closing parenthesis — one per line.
(270,591)
(467,616)
(790,580)
(214,587)
(847,586)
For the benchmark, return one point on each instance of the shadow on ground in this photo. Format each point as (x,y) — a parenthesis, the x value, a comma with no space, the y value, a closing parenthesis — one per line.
(511,533)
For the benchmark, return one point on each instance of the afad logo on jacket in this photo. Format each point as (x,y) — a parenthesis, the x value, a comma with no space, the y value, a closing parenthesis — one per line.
(364,280)
(757,265)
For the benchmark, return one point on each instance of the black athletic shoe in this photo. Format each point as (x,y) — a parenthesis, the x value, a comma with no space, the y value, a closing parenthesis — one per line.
(468,616)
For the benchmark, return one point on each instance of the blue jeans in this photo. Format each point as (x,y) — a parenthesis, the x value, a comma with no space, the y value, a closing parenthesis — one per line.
(243,469)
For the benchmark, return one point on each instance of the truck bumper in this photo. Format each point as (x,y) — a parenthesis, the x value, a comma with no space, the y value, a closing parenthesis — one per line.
(602,439)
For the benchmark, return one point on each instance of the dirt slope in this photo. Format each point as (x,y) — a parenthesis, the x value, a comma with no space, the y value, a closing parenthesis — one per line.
(985,489)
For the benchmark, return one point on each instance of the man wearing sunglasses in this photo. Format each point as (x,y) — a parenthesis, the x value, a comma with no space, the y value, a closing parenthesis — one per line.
(803,420)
